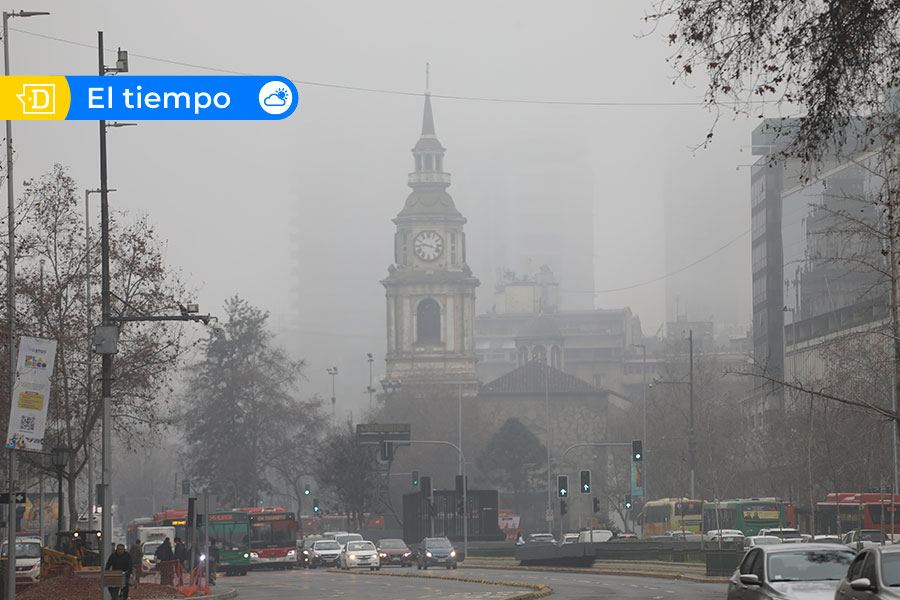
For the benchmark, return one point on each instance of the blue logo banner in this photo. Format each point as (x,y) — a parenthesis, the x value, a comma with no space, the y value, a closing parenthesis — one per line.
(185,98)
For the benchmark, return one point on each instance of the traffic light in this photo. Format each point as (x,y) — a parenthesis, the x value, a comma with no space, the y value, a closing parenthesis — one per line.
(306,490)
(415,478)
(461,482)
(585,482)
(596,504)
(460,509)
(316,505)
(562,486)
(186,487)
(426,486)
(637,450)
(627,501)
(563,507)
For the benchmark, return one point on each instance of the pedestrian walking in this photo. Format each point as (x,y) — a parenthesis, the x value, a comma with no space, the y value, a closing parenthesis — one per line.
(137,560)
(165,562)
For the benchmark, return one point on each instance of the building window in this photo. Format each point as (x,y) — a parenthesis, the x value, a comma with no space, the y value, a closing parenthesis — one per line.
(429,162)
(453,248)
(428,322)
(523,356)
(418,163)
(539,354)
(439,162)
(556,357)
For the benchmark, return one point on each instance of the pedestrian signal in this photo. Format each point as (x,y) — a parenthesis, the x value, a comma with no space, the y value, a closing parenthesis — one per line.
(628,502)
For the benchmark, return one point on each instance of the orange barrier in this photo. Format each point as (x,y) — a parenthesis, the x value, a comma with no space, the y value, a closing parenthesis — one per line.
(195,582)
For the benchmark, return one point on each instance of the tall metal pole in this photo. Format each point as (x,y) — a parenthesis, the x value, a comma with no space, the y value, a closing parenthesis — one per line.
(11,317)
(549,442)
(691,442)
(106,365)
(459,397)
(90,374)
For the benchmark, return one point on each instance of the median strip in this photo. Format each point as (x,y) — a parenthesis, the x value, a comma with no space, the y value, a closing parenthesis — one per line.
(621,572)
(536,590)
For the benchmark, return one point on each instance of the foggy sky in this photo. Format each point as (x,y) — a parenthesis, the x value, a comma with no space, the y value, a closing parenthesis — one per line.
(295,215)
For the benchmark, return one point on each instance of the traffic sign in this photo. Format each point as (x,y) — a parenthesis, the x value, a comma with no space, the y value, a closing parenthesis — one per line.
(19,497)
(375,433)
(549,514)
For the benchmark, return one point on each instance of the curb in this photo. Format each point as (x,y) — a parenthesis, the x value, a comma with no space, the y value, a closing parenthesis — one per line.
(622,572)
(536,590)
(232,593)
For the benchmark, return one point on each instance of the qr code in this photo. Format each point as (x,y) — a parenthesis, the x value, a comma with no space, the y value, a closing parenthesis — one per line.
(27,423)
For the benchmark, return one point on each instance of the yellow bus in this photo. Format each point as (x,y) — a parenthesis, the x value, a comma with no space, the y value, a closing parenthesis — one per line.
(659,517)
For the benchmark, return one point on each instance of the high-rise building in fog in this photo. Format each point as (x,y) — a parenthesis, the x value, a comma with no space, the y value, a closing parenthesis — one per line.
(538,212)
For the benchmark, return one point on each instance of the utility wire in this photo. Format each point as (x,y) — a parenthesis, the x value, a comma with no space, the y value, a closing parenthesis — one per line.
(661,277)
(388,91)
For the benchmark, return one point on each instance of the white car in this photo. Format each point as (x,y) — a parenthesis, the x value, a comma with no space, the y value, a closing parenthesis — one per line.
(148,560)
(28,558)
(360,555)
(762,540)
(343,538)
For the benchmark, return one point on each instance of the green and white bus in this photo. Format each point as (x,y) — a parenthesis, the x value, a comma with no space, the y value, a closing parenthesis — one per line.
(230,532)
(748,515)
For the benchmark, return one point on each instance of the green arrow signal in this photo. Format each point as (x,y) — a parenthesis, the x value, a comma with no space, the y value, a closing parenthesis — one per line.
(563,492)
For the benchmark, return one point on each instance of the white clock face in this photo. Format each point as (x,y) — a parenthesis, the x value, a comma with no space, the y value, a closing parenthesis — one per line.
(428,245)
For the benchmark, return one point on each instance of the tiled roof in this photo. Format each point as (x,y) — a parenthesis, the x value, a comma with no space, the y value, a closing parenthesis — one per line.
(534,377)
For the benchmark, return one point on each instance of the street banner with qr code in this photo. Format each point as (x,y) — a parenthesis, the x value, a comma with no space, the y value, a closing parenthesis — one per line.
(31,394)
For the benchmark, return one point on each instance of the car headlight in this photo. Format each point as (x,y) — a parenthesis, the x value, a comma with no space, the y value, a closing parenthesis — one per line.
(254,555)
(352,557)
(453,553)
(292,553)
(428,554)
(306,552)
(246,555)
(407,554)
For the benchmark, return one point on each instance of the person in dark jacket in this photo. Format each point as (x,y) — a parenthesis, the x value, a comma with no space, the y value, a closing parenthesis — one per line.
(137,558)
(119,561)
(181,552)
(165,562)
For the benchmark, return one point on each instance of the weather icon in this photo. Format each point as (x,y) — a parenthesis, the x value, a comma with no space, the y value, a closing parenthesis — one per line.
(275,98)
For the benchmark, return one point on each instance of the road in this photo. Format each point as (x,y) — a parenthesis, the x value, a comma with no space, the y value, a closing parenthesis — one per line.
(301,583)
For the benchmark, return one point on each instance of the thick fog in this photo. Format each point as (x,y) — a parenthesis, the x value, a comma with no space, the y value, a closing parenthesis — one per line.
(295,215)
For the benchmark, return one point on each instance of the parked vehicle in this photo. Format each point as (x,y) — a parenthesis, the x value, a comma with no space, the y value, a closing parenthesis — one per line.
(789,572)
(394,552)
(28,558)
(435,552)
(874,574)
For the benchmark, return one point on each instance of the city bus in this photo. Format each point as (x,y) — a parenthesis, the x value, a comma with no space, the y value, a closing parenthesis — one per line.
(131,529)
(173,518)
(230,532)
(748,515)
(843,512)
(273,537)
(660,517)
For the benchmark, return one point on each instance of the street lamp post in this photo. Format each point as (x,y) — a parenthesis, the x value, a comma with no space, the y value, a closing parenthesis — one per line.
(370,389)
(106,335)
(59,456)
(11,309)
(333,371)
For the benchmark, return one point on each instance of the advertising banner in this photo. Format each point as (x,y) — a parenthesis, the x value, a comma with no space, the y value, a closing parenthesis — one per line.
(31,394)
(637,478)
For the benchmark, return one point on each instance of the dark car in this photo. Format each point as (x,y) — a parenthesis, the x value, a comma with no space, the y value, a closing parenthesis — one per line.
(305,548)
(873,574)
(789,572)
(394,552)
(435,552)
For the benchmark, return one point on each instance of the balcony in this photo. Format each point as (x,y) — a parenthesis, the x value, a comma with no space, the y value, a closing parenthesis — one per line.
(430,177)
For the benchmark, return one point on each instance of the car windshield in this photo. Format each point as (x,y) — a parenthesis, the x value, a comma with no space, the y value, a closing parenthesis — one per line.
(328,545)
(871,536)
(350,537)
(809,565)
(543,537)
(762,541)
(890,569)
(150,548)
(360,546)
(438,544)
(392,545)
(24,550)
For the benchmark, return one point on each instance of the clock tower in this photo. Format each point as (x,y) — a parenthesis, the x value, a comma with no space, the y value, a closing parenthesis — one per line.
(430,289)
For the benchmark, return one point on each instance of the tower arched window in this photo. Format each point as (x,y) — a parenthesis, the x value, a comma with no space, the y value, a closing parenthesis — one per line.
(523,356)
(539,354)
(556,357)
(428,322)
(429,162)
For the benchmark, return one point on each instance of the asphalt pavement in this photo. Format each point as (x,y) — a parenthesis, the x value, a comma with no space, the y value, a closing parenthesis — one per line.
(301,583)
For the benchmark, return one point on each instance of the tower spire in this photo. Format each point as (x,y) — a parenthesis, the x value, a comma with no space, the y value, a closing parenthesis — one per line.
(427,118)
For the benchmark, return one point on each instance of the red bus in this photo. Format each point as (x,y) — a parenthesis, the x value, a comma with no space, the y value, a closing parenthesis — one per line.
(273,537)
(843,512)
(172,518)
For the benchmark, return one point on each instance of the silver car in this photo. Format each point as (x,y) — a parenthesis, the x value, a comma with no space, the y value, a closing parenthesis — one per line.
(873,574)
(789,572)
